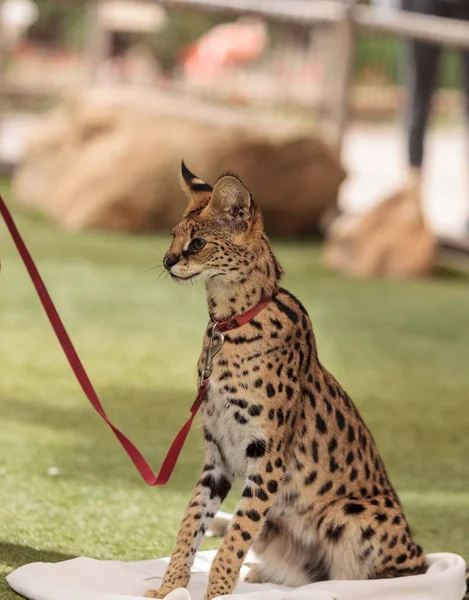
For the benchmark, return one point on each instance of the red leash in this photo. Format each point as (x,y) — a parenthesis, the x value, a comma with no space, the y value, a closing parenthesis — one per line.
(135,455)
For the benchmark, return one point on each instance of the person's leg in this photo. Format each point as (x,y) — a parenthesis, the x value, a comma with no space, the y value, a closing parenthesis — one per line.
(461,11)
(422,60)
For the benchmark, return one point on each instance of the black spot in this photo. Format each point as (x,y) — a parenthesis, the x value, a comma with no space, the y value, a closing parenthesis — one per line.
(320,424)
(219,486)
(207,435)
(240,554)
(256,324)
(340,420)
(256,479)
(289,392)
(341,490)
(396,520)
(381,517)
(332,391)
(393,542)
(276,323)
(401,559)
(353,508)
(238,402)
(269,388)
(328,406)
(255,410)
(389,503)
(351,434)
(311,478)
(239,417)
(350,458)
(268,467)
(325,488)
(286,310)
(253,515)
(247,492)
(241,339)
(246,536)
(353,474)
(310,396)
(315,451)
(334,533)
(258,383)
(367,533)
(278,463)
(280,417)
(226,375)
(332,445)
(261,494)
(255,449)
(333,466)
(271,413)
(272,486)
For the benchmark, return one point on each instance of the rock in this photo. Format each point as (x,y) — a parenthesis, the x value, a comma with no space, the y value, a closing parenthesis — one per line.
(390,240)
(111,160)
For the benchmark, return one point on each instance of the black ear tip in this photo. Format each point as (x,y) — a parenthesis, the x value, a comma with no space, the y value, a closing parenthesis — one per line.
(187,175)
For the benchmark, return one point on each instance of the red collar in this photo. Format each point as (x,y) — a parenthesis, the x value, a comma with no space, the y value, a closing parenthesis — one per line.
(245,317)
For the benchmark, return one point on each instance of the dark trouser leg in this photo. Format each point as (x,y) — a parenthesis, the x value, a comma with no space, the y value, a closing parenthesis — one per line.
(462,12)
(422,60)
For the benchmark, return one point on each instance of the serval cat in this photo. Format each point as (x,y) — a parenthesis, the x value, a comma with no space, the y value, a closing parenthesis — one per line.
(316,503)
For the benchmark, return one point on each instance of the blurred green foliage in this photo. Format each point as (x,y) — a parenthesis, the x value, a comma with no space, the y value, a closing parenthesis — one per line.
(60,24)
(384,58)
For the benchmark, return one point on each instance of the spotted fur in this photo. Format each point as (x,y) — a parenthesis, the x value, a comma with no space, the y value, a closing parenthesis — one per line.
(316,501)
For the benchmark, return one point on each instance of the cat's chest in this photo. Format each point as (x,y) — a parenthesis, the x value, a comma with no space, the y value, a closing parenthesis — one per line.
(228,422)
(231,409)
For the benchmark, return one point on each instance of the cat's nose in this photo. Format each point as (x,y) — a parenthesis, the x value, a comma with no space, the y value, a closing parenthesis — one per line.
(170,260)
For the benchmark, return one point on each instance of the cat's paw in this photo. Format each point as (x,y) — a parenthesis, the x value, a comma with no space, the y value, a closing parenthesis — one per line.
(254,575)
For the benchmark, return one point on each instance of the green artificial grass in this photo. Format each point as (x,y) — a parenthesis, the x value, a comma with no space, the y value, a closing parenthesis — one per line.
(401,349)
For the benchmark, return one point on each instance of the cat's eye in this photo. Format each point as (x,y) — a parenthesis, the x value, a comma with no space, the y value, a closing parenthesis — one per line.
(197,244)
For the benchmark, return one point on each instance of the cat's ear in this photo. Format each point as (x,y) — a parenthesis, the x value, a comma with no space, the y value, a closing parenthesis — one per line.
(198,192)
(230,196)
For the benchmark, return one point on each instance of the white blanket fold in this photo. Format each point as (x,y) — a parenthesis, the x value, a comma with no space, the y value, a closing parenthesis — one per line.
(89,579)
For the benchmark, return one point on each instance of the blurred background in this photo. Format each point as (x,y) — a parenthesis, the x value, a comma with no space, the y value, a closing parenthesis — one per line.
(309,101)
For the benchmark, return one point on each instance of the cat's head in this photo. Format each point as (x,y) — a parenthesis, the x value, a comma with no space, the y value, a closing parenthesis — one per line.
(220,233)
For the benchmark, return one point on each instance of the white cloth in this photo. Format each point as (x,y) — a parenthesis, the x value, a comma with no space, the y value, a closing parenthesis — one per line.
(89,579)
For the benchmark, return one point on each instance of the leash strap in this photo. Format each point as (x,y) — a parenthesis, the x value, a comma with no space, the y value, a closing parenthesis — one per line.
(135,455)
(74,361)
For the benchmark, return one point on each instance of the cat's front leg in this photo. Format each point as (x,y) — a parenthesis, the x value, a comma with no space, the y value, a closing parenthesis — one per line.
(260,487)
(210,491)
